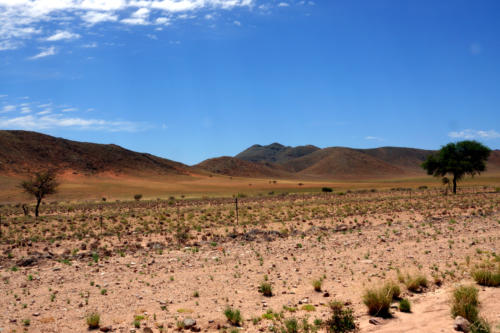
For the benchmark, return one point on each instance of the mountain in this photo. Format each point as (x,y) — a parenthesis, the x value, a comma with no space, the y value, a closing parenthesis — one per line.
(23,151)
(231,166)
(339,162)
(275,153)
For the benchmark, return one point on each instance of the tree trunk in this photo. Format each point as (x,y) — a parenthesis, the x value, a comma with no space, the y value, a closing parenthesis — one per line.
(454,184)
(38,201)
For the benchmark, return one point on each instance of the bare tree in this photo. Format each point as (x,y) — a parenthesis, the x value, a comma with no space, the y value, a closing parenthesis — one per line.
(40,185)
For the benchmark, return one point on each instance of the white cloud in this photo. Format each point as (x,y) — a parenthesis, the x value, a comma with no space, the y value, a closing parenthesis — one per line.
(92,17)
(3,96)
(48,51)
(8,108)
(162,20)
(373,138)
(40,122)
(90,45)
(23,19)
(61,35)
(70,109)
(283,4)
(139,17)
(238,23)
(25,109)
(475,134)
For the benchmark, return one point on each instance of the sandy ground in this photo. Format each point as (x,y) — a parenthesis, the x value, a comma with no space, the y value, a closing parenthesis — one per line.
(201,278)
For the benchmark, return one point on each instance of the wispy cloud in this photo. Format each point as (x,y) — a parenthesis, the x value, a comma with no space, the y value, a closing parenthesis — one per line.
(21,116)
(283,4)
(90,45)
(475,134)
(42,121)
(8,108)
(61,35)
(373,138)
(45,52)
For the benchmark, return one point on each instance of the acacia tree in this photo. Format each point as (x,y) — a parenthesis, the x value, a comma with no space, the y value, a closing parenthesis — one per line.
(458,159)
(40,185)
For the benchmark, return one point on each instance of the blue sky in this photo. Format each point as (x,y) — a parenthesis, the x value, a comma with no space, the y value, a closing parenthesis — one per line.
(193,79)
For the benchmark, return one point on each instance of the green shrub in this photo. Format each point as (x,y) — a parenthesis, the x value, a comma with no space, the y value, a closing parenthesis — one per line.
(317,285)
(233,316)
(326,189)
(393,288)
(266,289)
(291,326)
(308,307)
(416,283)
(487,274)
(137,197)
(404,305)
(465,303)
(480,326)
(342,319)
(378,301)
(486,277)
(93,320)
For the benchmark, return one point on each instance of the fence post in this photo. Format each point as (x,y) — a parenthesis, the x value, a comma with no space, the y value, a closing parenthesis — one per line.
(236,204)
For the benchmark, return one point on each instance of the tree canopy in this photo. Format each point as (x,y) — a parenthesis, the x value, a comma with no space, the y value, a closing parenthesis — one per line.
(40,185)
(458,159)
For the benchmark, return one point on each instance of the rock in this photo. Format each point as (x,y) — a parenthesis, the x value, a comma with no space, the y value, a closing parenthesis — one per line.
(105,329)
(326,294)
(461,324)
(27,262)
(189,322)
(374,321)
(147,330)
(304,301)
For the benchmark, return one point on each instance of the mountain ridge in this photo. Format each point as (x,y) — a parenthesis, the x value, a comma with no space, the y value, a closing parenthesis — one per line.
(22,152)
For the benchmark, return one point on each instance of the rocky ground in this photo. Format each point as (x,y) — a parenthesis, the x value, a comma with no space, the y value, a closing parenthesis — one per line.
(159,281)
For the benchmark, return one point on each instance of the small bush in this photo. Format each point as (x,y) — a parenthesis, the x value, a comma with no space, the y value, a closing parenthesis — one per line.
(137,197)
(233,316)
(416,282)
(378,301)
(266,289)
(342,319)
(317,285)
(480,326)
(465,303)
(487,274)
(486,278)
(404,305)
(291,325)
(93,320)
(393,288)
(326,189)
(308,307)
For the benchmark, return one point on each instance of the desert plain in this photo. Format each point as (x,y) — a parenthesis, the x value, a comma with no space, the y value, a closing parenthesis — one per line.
(178,263)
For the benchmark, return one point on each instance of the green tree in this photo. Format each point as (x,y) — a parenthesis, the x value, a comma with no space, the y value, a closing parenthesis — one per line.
(40,185)
(458,159)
